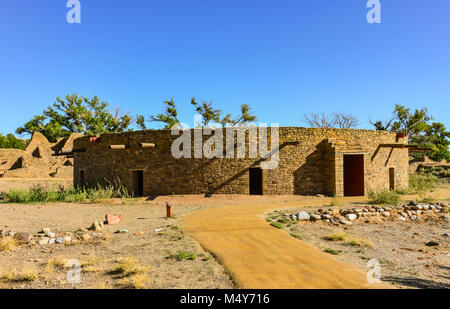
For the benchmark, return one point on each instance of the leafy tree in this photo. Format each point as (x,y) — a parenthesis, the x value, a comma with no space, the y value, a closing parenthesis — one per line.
(169,117)
(335,120)
(10,141)
(77,114)
(419,130)
(206,110)
(244,118)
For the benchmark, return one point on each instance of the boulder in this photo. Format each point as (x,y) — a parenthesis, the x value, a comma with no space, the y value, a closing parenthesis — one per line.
(351,217)
(303,216)
(314,217)
(386,214)
(23,237)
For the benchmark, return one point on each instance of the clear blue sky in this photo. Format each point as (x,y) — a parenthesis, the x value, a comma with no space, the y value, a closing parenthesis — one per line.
(283,57)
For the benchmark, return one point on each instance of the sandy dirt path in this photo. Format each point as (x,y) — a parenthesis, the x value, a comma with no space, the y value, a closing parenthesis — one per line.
(259,256)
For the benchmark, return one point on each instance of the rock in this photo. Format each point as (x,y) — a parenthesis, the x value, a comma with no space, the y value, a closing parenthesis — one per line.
(59,240)
(345,222)
(96,226)
(67,239)
(314,217)
(113,219)
(446,234)
(121,231)
(320,195)
(432,244)
(401,218)
(325,217)
(303,216)
(426,207)
(386,214)
(85,237)
(46,230)
(12,234)
(23,237)
(43,241)
(51,235)
(351,217)
(51,241)
(413,217)
(3,233)
(293,217)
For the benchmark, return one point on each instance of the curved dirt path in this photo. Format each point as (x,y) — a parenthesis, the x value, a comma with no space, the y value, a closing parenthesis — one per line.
(259,256)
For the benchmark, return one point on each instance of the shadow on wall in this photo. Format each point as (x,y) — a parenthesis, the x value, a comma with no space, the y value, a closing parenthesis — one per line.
(316,175)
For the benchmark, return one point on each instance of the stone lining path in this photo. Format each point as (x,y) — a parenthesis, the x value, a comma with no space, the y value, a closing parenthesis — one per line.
(259,256)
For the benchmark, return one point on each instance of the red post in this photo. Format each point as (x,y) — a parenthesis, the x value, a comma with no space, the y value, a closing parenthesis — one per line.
(169,209)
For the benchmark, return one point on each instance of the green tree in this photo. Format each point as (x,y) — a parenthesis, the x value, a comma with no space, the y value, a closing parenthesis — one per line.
(10,141)
(169,118)
(77,114)
(419,130)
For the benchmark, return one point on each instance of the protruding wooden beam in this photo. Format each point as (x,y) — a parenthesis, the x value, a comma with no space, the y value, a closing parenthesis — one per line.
(117,147)
(148,145)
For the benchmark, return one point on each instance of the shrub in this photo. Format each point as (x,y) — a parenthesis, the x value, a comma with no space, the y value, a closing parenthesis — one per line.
(181,255)
(384,197)
(421,183)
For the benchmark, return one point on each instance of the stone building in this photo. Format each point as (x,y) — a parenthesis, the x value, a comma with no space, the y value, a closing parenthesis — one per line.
(341,162)
(41,159)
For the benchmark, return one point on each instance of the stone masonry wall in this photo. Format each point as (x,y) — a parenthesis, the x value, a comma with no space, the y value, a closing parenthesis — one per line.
(314,165)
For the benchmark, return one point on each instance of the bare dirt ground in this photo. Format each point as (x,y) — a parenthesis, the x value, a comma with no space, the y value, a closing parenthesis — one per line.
(26,183)
(398,246)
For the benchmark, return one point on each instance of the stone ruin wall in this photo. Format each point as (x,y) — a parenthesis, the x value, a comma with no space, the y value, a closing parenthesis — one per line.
(313,166)
(41,159)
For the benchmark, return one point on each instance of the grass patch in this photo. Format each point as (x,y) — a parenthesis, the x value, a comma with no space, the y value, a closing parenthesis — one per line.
(296,236)
(332,251)
(41,194)
(278,225)
(139,281)
(384,197)
(128,266)
(8,244)
(182,255)
(352,241)
(340,236)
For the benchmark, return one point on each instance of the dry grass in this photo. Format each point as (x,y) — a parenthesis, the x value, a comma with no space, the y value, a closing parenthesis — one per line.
(139,281)
(339,236)
(353,241)
(129,266)
(27,275)
(90,265)
(57,262)
(8,244)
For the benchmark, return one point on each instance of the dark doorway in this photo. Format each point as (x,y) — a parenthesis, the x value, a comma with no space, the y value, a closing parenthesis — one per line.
(256,181)
(138,183)
(353,175)
(81,182)
(391,179)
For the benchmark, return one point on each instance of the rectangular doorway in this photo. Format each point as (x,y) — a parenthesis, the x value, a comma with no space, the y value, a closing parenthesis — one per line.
(354,175)
(391,179)
(81,180)
(256,181)
(138,183)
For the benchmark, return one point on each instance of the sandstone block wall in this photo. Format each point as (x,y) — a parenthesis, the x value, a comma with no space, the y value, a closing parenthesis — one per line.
(314,165)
